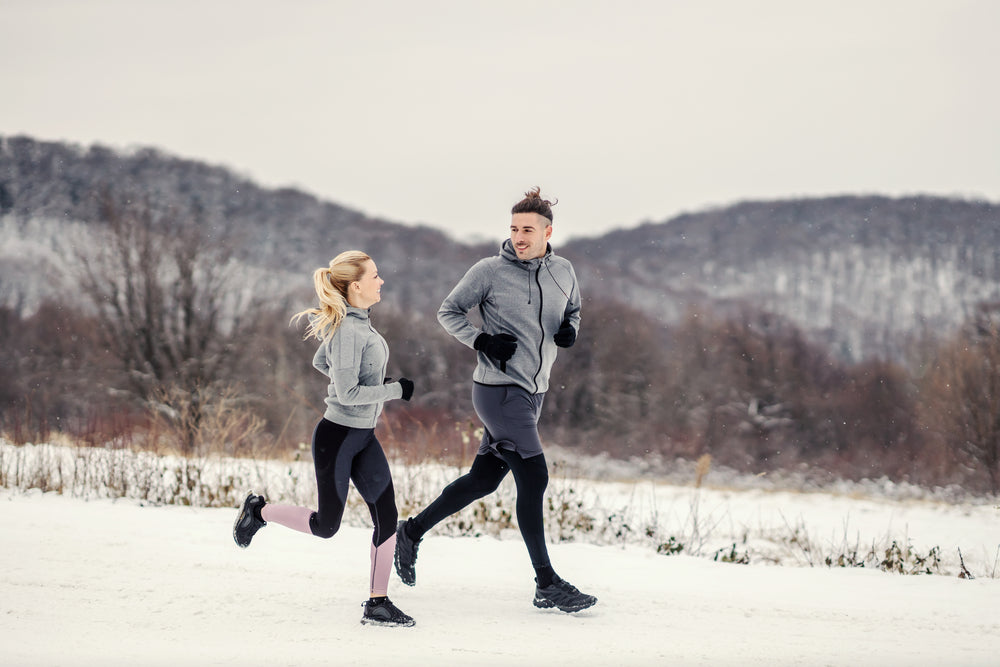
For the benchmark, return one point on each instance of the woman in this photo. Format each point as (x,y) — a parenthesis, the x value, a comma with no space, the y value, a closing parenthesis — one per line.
(354,356)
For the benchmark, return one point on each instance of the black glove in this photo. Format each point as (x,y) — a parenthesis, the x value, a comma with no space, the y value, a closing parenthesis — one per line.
(407,386)
(500,347)
(566,335)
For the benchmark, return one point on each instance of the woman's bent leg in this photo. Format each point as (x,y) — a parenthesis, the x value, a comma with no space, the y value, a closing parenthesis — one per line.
(290,516)
(333,470)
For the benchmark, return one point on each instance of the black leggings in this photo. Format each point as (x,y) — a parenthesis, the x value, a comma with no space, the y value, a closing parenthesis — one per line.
(342,454)
(531,476)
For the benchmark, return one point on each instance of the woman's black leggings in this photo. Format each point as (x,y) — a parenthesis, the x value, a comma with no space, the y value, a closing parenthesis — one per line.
(531,476)
(343,454)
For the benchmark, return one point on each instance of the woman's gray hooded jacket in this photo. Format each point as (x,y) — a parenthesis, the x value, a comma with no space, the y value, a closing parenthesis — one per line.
(528,299)
(355,358)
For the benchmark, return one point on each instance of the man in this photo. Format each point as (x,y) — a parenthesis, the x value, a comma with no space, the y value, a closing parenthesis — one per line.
(529,303)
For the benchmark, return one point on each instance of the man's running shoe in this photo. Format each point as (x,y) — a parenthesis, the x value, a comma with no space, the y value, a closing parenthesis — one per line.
(249,521)
(381,611)
(563,595)
(405,557)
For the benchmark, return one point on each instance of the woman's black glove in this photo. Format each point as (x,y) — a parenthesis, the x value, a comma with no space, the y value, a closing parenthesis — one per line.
(566,335)
(407,386)
(500,347)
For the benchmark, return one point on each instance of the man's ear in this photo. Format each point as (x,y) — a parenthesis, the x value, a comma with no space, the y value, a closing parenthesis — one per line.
(548,232)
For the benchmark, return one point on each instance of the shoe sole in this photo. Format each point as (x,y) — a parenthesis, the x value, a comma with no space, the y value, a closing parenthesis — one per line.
(236,524)
(386,624)
(543,603)
(395,559)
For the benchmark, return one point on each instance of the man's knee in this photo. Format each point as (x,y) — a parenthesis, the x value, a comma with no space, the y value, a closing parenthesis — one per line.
(481,484)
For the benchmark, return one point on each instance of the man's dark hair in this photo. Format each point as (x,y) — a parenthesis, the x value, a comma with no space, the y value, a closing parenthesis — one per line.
(533,203)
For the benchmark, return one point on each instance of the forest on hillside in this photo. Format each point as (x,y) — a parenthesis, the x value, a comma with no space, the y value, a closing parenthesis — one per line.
(161,336)
(160,347)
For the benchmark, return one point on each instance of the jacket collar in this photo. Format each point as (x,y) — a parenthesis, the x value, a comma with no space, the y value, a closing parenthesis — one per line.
(507,252)
(360,313)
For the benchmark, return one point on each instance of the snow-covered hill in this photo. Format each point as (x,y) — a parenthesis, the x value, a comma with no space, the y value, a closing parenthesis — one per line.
(862,274)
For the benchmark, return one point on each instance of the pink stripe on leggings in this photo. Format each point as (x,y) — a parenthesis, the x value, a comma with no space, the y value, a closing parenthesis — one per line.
(382,566)
(296,518)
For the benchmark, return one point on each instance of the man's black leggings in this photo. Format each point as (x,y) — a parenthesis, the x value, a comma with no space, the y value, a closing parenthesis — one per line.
(531,476)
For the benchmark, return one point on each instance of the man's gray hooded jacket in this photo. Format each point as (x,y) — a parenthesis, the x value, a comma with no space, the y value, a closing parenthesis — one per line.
(527,299)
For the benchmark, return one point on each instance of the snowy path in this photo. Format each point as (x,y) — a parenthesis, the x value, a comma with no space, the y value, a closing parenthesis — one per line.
(114,583)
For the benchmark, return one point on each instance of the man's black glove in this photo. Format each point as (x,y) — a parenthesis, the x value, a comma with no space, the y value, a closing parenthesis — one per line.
(566,335)
(500,347)
(407,388)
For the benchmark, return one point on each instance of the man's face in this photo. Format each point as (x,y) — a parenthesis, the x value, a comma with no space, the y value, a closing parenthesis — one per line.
(529,234)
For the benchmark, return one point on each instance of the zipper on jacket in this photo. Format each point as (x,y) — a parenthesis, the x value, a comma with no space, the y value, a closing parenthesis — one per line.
(385,367)
(541,339)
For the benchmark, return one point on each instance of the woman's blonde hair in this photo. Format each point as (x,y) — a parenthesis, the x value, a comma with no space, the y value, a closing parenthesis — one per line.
(331,287)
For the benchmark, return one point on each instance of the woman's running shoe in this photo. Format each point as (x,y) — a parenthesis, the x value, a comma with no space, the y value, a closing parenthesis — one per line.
(381,611)
(249,521)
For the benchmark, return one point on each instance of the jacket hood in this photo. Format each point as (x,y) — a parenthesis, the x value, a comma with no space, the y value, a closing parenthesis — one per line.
(359,313)
(507,252)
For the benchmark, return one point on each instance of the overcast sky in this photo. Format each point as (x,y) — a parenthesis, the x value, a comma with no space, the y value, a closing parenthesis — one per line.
(443,113)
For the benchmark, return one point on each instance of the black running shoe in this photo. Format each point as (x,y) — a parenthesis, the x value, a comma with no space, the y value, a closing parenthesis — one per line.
(249,521)
(563,595)
(381,611)
(405,557)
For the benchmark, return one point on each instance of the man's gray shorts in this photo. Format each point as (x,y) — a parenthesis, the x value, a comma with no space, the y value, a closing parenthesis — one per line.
(510,417)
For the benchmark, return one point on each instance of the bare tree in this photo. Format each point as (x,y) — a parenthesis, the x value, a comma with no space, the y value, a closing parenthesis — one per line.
(961,393)
(169,304)
(607,392)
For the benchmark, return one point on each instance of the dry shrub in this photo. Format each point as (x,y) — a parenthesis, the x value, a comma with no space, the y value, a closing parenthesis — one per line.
(415,435)
(960,398)
(204,422)
(702,466)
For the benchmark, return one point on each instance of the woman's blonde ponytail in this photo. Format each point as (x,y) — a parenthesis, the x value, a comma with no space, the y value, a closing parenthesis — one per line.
(331,285)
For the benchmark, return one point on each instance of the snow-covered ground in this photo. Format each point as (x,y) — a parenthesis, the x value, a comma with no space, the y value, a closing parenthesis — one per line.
(763,520)
(120,582)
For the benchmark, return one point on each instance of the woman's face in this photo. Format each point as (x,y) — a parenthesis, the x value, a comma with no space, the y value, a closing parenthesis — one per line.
(366,291)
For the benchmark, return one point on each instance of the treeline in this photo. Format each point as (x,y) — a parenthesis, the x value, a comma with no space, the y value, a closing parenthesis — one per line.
(751,392)
(165,344)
